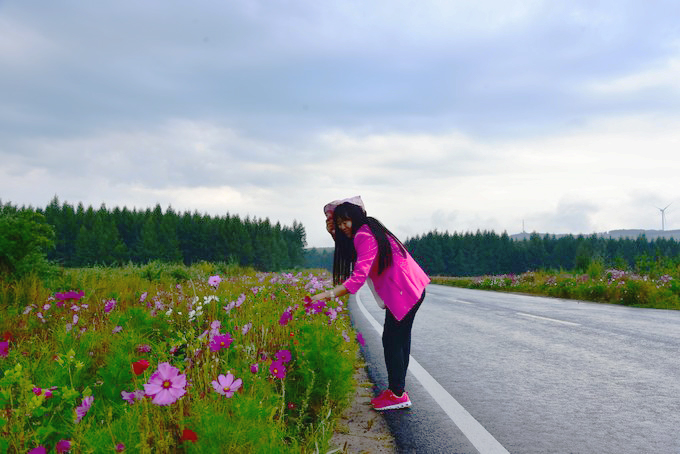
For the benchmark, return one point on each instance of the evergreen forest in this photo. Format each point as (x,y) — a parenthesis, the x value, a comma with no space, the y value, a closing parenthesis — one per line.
(81,237)
(487,253)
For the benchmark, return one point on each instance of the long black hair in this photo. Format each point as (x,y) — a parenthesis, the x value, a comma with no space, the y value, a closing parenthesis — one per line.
(346,255)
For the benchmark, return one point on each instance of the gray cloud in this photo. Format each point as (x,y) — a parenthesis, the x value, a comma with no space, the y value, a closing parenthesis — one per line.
(267,102)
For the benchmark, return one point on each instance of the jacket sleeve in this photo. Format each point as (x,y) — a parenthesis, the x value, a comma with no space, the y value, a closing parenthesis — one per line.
(367,250)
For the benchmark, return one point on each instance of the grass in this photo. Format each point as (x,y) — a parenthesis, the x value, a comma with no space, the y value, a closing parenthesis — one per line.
(295,360)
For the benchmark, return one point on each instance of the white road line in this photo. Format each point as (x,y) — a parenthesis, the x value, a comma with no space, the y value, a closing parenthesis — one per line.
(462,302)
(549,319)
(471,428)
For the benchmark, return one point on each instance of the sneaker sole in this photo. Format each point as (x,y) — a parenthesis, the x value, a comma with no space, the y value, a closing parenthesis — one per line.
(394,407)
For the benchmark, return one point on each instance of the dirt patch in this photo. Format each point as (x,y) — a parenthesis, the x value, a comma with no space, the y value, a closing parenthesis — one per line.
(362,429)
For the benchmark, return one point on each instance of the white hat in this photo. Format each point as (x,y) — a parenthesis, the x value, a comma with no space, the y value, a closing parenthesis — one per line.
(329,208)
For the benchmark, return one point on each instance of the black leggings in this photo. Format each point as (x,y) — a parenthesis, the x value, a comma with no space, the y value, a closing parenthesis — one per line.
(396,341)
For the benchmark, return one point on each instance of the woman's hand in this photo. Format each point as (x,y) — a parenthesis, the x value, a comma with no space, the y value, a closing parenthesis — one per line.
(340,290)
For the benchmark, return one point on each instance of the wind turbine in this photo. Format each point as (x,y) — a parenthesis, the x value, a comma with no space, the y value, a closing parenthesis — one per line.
(663,216)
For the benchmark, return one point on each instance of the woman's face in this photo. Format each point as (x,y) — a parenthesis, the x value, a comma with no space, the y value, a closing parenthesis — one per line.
(345,226)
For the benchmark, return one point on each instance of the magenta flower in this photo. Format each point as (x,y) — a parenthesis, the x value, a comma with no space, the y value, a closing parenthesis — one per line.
(46,392)
(39,450)
(63,446)
(226,385)
(283,355)
(278,370)
(166,385)
(70,295)
(144,348)
(254,368)
(285,318)
(220,341)
(360,339)
(142,298)
(4,349)
(120,447)
(84,408)
(318,307)
(109,305)
(214,280)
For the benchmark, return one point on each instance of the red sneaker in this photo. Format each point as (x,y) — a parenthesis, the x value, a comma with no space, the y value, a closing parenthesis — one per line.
(380,397)
(391,402)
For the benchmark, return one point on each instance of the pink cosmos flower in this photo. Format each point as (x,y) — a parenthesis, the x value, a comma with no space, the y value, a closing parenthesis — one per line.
(345,336)
(214,280)
(278,370)
(46,392)
(285,318)
(84,408)
(318,306)
(246,328)
(70,295)
(4,349)
(117,329)
(220,341)
(332,315)
(39,450)
(215,328)
(226,385)
(120,447)
(283,355)
(63,446)
(360,339)
(142,298)
(109,305)
(166,385)
(133,396)
(254,368)
(144,348)
(240,300)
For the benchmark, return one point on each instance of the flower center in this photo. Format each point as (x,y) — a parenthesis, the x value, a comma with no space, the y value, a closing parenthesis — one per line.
(167,384)
(222,344)
(226,389)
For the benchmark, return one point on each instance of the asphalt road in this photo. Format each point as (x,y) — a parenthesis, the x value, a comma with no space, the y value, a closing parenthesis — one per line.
(532,374)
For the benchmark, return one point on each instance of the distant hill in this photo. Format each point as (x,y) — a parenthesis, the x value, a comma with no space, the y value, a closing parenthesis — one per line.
(614,234)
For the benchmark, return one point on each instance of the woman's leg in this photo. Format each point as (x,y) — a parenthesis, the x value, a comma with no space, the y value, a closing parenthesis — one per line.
(396,340)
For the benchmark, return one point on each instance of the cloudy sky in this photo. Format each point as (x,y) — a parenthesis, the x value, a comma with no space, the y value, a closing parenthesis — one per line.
(562,115)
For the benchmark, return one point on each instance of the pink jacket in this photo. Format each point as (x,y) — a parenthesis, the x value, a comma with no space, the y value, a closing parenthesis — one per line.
(400,285)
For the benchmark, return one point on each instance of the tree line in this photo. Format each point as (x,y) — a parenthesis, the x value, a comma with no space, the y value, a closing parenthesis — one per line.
(487,253)
(84,236)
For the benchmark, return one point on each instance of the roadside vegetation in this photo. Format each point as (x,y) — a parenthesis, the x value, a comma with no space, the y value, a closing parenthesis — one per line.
(652,284)
(169,358)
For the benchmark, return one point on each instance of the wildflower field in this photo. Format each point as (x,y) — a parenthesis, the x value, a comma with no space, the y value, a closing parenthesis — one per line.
(656,288)
(160,358)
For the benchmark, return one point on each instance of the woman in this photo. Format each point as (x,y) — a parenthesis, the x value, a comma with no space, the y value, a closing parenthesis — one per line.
(365,251)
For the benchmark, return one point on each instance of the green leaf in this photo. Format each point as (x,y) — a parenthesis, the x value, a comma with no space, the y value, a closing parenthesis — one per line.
(44,432)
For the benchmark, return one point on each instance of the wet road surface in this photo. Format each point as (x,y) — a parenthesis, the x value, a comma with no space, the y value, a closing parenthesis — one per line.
(538,375)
